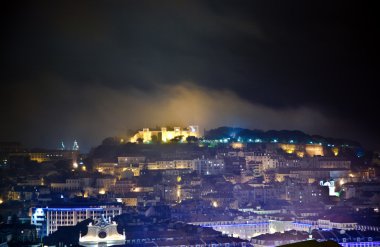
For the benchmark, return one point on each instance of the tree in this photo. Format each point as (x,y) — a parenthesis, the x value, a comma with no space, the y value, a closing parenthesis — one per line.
(140,140)
(176,139)
(191,139)
(110,141)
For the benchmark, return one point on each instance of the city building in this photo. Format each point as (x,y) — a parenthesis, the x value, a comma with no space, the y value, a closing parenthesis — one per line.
(48,219)
(209,166)
(43,155)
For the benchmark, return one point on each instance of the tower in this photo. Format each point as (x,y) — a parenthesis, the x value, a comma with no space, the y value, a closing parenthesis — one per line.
(194,130)
(62,146)
(75,145)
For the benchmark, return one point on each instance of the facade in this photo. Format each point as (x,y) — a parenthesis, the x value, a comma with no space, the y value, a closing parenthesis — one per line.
(130,160)
(165,134)
(260,162)
(171,164)
(119,170)
(324,162)
(105,183)
(333,223)
(209,166)
(321,173)
(72,184)
(240,227)
(103,233)
(53,155)
(47,220)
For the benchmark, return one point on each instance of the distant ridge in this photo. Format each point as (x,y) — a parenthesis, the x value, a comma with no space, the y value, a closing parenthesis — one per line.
(295,136)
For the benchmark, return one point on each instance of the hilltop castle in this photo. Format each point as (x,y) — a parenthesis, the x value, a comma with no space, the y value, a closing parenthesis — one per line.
(165,134)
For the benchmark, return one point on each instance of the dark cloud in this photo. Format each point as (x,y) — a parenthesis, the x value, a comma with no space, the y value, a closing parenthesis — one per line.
(83,68)
(88,113)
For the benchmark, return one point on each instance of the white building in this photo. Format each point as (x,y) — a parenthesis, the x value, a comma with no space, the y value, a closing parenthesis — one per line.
(240,227)
(103,233)
(47,220)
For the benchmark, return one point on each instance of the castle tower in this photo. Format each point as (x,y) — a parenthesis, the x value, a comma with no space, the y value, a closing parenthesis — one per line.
(75,146)
(164,134)
(147,135)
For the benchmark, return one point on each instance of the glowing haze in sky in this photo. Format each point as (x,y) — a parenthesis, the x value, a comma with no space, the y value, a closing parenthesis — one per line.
(88,70)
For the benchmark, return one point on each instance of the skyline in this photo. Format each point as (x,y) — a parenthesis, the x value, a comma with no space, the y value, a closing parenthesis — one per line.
(86,72)
(222,134)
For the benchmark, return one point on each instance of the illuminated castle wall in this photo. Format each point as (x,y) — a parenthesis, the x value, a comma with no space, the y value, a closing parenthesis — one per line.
(166,134)
(314,150)
(301,149)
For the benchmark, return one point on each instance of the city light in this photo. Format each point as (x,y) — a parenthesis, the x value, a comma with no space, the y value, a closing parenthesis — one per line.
(288,148)
(335,151)
(75,165)
(137,189)
(179,193)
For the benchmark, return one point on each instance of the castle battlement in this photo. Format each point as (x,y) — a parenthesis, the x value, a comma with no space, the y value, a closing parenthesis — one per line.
(165,134)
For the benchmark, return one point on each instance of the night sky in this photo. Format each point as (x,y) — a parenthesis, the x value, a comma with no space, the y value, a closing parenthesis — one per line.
(87,70)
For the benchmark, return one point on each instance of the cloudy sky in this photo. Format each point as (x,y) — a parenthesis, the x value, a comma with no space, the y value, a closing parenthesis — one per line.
(86,70)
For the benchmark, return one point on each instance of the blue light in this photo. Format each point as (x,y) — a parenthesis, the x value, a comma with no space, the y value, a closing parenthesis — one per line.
(234,225)
(360,153)
(304,224)
(353,244)
(73,209)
